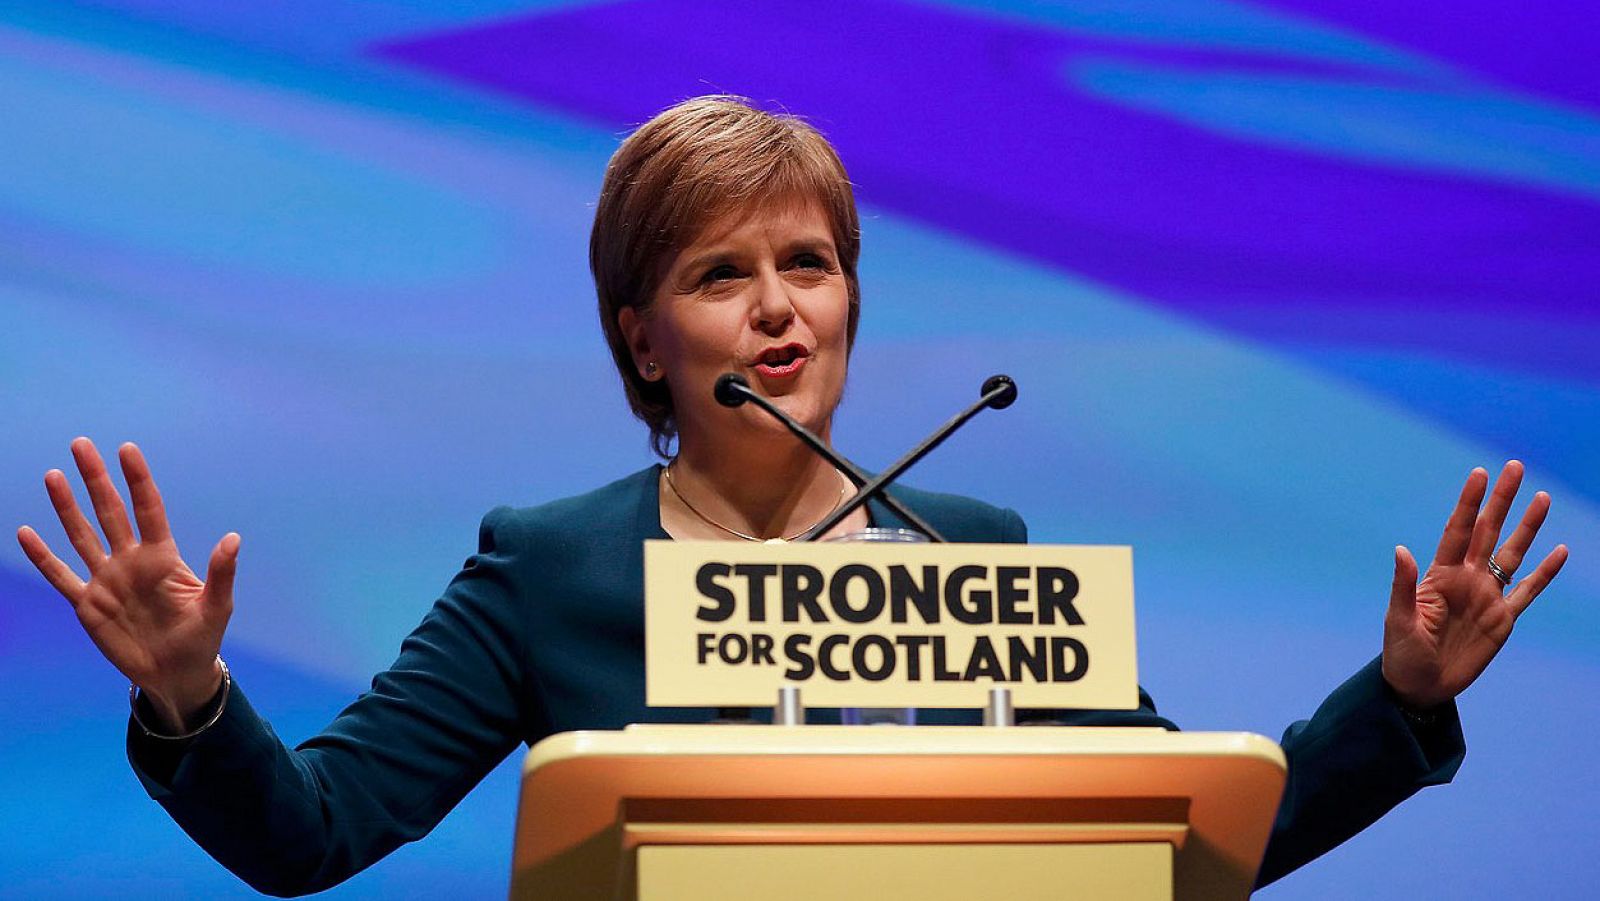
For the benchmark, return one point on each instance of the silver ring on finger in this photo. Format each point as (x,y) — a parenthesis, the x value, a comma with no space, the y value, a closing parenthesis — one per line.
(1500,575)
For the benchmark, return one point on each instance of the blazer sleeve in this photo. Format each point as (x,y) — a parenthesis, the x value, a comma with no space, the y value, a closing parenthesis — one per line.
(1352,762)
(388,767)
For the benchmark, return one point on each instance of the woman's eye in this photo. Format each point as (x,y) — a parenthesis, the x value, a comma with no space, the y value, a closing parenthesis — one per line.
(810,261)
(720,274)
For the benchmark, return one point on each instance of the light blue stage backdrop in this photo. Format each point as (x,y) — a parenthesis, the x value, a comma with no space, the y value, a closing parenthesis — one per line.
(1272,277)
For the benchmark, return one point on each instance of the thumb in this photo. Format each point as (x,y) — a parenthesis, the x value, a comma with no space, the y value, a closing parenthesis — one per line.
(1403,594)
(219,576)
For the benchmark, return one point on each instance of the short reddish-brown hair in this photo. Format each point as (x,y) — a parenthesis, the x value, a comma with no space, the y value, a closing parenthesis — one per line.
(690,166)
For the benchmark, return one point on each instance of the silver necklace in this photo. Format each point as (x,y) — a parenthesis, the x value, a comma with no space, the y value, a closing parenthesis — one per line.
(744,535)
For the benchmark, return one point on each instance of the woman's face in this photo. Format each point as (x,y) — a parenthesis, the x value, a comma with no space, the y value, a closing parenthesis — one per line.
(758,293)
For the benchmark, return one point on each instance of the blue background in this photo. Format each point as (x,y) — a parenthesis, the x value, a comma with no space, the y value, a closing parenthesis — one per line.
(1271,276)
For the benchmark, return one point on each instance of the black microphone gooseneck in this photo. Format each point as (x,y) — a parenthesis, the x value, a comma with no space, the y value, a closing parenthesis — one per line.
(998,391)
(732,390)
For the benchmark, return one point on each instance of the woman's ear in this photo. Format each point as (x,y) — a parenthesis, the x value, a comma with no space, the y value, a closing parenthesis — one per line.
(634,333)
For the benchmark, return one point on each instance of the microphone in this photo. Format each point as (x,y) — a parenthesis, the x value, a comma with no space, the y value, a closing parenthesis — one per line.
(732,390)
(998,392)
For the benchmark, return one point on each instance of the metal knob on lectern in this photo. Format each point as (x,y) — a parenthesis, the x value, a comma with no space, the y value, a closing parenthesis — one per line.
(999,712)
(789,711)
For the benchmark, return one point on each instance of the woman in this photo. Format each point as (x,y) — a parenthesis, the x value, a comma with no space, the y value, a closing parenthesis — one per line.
(725,239)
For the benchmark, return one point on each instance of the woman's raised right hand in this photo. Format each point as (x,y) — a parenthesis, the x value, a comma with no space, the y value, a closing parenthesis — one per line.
(143,607)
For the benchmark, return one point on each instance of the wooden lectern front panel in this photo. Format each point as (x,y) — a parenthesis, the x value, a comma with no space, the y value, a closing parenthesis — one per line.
(1108,872)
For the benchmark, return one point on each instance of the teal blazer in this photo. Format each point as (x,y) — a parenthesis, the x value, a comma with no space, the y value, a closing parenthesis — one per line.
(542,631)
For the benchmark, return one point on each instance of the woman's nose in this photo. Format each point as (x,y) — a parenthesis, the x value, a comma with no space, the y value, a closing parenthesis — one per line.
(773,309)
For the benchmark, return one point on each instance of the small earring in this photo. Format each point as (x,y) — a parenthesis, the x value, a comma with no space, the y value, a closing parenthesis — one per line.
(650,370)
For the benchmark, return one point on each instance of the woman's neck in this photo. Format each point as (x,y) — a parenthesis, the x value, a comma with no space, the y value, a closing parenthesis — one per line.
(770,487)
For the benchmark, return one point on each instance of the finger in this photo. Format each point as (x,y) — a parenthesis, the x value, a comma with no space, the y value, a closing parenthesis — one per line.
(1510,554)
(58,574)
(219,577)
(1403,593)
(81,535)
(1529,588)
(103,494)
(1458,530)
(1487,529)
(148,509)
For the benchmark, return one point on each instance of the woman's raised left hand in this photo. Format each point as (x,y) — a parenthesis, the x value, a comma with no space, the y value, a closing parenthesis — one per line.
(1440,634)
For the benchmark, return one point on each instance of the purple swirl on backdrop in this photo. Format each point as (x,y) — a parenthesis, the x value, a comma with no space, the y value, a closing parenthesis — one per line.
(971,124)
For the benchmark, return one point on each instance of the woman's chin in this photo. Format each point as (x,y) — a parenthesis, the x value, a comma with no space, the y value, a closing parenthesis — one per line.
(807,414)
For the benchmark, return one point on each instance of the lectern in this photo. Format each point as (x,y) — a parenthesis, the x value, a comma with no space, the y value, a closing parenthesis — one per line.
(667,813)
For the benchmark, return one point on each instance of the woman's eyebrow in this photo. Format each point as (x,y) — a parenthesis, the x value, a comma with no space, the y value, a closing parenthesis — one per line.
(712,257)
(812,244)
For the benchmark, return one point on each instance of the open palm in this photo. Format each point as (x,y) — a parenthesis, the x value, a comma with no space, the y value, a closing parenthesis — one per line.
(1439,635)
(143,607)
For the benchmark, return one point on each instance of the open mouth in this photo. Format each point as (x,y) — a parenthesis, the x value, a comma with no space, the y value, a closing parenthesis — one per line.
(777,362)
